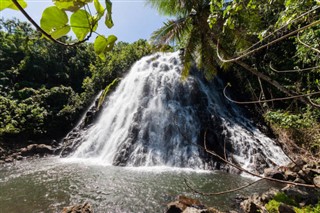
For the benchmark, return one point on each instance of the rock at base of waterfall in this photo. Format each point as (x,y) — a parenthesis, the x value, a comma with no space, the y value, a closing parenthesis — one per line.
(79,208)
(316,181)
(274,173)
(283,208)
(33,149)
(185,204)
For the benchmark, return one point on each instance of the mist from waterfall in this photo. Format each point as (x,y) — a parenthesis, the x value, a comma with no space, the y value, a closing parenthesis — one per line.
(154,118)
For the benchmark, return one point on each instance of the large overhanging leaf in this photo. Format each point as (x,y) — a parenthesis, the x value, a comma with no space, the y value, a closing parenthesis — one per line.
(55,22)
(71,5)
(80,23)
(102,45)
(9,4)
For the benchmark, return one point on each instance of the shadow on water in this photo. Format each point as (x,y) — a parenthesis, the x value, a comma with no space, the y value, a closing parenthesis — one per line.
(50,184)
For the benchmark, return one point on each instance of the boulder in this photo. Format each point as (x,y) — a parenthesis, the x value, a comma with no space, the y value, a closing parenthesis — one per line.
(283,208)
(290,175)
(316,181)
(274,173)
(188,205)
(9,160)
(80,208)
(306,196)
(33,149)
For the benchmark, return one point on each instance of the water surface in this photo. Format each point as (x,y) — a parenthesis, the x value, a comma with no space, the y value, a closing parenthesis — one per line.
(48,185)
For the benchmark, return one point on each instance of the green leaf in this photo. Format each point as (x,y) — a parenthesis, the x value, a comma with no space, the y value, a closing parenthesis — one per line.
(108,21)
(55,22)
(100,9)
(80,23)
(99,46)
(10,5)
(61,32)
(111,41)
(102,45)
(71,5)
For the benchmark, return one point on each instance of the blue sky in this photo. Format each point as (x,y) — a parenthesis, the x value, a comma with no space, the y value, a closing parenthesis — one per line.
(133,19)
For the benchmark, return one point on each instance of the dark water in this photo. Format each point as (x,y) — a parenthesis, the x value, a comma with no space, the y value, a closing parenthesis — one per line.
(48,185)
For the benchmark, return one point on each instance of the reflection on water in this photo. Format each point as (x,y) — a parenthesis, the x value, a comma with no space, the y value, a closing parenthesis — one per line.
(48,185)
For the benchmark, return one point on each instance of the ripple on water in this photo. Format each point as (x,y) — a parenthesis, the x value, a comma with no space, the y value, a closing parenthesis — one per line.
(48,185)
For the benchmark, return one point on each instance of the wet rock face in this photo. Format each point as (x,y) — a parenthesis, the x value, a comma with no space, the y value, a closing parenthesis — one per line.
(73,139)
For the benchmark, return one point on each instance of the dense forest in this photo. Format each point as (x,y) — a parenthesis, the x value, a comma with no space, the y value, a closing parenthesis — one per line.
(45,88)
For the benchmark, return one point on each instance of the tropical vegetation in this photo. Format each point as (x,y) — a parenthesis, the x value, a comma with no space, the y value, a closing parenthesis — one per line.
(267,50)
(46,87)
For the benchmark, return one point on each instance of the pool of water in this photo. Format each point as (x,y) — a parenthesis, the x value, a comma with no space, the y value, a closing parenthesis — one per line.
(48,185)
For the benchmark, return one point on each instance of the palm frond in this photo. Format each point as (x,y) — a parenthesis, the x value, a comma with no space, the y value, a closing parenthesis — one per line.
(189,51)
(171,31)
(170,7)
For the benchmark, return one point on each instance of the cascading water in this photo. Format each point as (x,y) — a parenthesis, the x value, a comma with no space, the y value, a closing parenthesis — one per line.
(155,118)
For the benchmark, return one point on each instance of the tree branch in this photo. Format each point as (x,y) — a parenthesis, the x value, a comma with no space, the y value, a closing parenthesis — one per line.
(271,34)
(265,45)
(221,192)
(308,46)
(16,3)
(265,101)
(287,71)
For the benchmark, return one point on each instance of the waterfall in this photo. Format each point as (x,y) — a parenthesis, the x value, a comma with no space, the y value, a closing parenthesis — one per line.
(155,118)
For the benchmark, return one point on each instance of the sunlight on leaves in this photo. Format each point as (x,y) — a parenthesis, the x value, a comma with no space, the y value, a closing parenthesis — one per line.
(9,4)
(102,45)
(55,22)
(71,5)
(80,24)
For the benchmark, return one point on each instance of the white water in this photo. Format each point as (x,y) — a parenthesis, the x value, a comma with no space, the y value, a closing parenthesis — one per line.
(152,119)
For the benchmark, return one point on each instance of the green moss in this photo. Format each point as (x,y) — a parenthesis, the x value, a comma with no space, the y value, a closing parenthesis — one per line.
(308,209)
(273,205)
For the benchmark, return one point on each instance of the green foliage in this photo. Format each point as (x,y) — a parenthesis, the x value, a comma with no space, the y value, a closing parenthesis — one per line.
(55,24)
(106,92)
(308,209)
(44,88)
(289,120)
(102,45)
(273,205)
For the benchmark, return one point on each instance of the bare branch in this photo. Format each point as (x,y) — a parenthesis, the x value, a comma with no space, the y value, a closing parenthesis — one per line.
(221,192)
(308,46)
(269,100)
(287,24)
(16,3)
(265,45)
(287,71)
